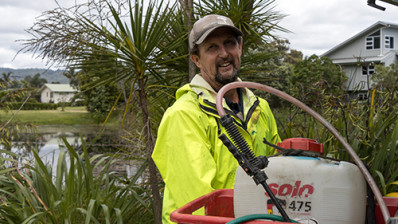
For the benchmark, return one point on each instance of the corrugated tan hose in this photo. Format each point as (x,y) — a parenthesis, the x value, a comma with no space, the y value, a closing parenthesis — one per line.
(319,118)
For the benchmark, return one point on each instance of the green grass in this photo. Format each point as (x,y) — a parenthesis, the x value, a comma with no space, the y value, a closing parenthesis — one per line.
(70,116)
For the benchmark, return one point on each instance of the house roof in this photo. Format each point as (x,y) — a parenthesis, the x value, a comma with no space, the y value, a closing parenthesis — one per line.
(370,29)
(60,88)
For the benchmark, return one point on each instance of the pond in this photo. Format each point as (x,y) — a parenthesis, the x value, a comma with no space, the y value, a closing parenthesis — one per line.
(49,140)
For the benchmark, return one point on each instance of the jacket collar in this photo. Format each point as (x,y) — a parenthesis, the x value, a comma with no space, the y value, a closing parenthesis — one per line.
(207,94)
(203,88)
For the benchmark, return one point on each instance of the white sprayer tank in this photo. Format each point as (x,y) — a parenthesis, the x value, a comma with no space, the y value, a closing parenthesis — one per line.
(324,191)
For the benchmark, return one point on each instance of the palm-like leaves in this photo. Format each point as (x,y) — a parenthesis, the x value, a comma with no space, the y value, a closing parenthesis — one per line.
(256,18)
(134,45)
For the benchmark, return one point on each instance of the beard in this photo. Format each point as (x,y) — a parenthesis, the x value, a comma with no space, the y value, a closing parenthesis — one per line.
(222,79)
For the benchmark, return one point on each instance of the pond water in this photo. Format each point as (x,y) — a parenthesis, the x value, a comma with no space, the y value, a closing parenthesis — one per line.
(49,140)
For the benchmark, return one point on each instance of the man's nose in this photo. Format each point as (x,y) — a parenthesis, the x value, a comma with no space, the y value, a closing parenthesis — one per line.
(223,52)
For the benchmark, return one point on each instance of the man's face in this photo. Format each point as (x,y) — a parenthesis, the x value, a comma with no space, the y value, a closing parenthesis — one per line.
(219,57)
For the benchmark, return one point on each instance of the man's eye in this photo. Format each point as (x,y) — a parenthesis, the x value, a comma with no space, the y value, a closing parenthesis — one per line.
(230,42)
(212,47)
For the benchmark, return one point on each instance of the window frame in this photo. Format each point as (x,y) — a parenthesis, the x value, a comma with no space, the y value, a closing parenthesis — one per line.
(389,42)
(368,69)
(373,41)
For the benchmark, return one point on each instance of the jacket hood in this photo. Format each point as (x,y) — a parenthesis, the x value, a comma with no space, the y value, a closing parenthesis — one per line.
(199,86)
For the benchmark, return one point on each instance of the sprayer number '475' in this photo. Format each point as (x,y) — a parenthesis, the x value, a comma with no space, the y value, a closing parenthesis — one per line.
(300,206)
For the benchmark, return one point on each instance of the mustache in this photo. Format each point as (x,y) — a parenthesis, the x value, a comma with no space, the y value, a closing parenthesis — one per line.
(222,61)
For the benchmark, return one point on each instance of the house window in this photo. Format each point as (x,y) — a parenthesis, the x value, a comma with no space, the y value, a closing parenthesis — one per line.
(373,41)
(362,96)
(368,70)
(389,42)
(51,95)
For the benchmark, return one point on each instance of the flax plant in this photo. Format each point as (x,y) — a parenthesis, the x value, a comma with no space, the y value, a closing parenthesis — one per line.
(78,190)
(369,126)
(371,130)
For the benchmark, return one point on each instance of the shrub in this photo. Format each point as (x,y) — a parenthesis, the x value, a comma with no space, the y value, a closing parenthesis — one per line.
(32,106)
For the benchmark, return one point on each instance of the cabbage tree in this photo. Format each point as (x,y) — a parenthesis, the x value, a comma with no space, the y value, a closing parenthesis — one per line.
(134,49)
(123,43)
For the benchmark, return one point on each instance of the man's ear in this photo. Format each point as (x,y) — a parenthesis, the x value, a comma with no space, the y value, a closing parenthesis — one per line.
(195,59)
(241,46)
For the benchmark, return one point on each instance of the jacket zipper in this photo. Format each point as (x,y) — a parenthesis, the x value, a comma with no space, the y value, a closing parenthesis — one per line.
(250,112)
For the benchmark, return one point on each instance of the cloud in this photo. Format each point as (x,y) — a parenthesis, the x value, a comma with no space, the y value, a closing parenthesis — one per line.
(19,16)
(318,26)
(16,23)
(36,5)
(22,60)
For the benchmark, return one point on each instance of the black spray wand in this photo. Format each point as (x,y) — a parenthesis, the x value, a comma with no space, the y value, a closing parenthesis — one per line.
(244,155)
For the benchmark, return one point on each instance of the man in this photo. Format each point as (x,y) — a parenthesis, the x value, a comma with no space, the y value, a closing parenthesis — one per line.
(188,153)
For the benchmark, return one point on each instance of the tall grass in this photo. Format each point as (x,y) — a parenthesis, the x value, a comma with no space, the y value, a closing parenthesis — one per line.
(78,190)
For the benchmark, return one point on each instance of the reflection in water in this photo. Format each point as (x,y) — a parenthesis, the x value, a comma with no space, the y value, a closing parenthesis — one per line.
(49,140)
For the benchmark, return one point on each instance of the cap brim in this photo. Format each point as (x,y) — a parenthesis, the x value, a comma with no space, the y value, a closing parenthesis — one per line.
(207,33)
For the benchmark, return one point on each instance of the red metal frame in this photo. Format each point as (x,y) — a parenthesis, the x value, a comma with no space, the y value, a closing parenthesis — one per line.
(219,209)
(392,206)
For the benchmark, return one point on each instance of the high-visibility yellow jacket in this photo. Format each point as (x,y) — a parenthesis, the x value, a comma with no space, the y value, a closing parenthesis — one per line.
(188,153)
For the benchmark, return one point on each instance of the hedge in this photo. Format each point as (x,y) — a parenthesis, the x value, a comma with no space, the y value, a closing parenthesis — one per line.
(32,106)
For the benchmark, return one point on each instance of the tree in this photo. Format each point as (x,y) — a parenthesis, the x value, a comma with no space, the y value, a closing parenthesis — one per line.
(35,81)
(315,76)
(274,70)
(385,78)
(127,52)
(99,100)
(187,6)
(385,82)
(6,80)
(71,74)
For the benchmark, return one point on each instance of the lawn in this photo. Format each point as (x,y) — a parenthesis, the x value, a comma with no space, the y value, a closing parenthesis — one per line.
(70,116)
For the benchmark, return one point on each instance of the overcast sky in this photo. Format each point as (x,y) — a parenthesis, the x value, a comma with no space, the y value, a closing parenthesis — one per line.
(316,25)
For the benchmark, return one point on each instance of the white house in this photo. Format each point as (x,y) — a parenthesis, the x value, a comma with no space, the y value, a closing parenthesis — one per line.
(55,93)
(357,56)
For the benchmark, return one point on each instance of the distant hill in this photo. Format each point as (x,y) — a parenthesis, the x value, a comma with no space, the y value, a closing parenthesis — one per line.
(52,76)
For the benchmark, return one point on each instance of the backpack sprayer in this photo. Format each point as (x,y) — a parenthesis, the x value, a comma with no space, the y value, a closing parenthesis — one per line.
(253,165)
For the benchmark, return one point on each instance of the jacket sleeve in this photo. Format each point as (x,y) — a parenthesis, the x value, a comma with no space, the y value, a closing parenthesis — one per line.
(183,156)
